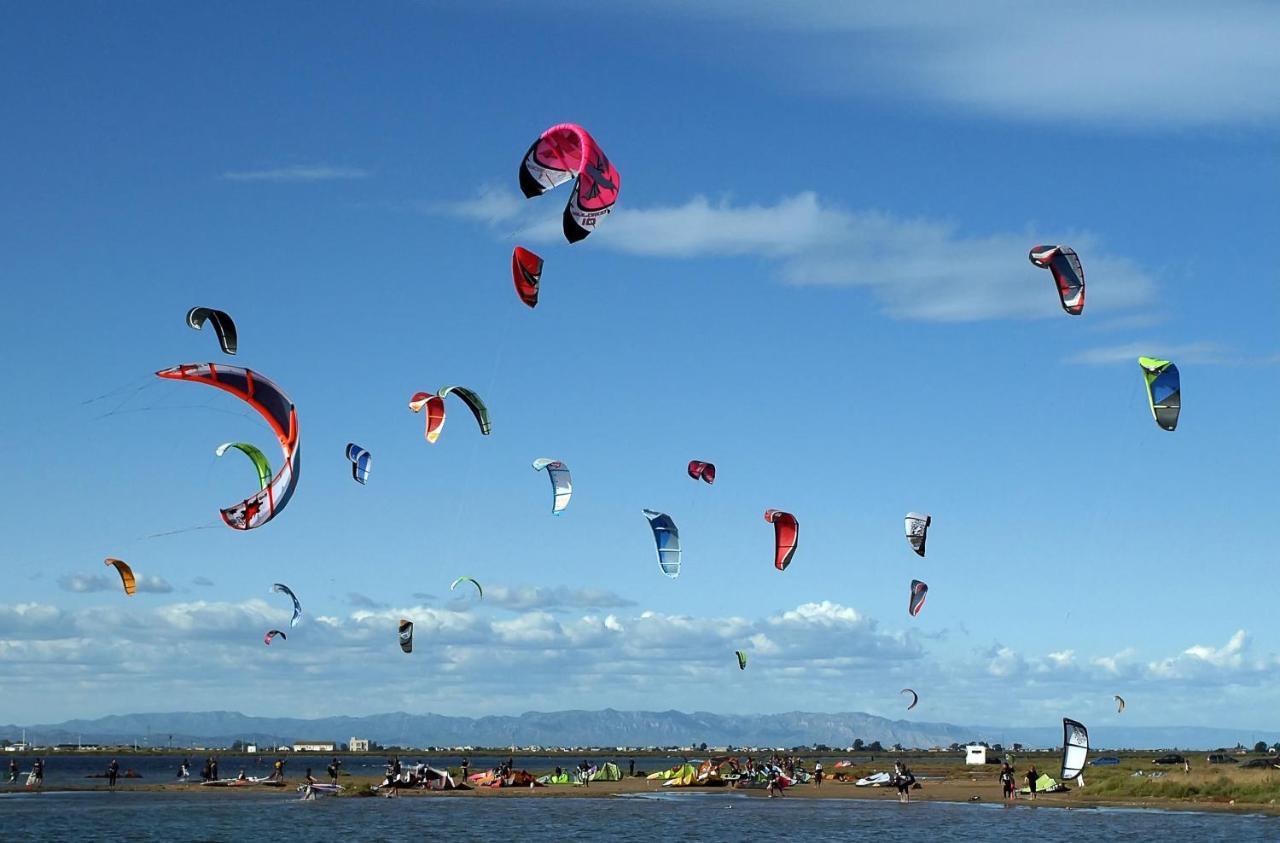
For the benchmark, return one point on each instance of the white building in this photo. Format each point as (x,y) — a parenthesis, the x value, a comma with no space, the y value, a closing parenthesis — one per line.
(315,746)
(975,753)
(358,745)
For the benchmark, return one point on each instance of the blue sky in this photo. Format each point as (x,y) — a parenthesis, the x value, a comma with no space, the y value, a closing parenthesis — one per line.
(815,277)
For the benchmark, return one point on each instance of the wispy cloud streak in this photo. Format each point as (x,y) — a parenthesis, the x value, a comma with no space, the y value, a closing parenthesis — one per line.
(1190,64)
(297,174)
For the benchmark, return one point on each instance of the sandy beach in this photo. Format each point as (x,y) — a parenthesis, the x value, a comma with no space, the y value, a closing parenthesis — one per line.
(941,784)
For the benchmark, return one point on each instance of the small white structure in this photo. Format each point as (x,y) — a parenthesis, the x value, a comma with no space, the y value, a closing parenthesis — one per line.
(251,748)
(975,753)
(358,745)
(314,746)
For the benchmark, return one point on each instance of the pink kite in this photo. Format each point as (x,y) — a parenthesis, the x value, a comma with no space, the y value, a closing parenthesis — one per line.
(567,152)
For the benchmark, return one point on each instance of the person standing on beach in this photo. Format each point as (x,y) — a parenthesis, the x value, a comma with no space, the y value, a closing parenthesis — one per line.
(1032,775)
(631,768)
(13,771)
(466,767)
(817,773)
(332,770)
(904,781)
(37,772)
(113,770)
(213,767)
(1006,780)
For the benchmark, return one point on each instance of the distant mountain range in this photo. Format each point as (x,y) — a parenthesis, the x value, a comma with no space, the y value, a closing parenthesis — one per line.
(607,728)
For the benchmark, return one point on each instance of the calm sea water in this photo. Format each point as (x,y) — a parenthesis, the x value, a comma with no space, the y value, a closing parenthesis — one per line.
(143,816)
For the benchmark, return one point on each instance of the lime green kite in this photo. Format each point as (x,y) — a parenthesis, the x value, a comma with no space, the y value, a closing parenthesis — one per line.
(255,456)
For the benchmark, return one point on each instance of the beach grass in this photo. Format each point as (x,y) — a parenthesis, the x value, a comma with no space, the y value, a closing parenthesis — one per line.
(1216,783)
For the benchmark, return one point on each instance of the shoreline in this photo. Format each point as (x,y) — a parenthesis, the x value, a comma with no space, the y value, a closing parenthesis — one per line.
(984,793)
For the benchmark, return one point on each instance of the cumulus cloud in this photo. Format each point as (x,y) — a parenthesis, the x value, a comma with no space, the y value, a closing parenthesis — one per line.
(151,584)
(1199,666)
(539,597)
(185,650)
(916,268)
(312,173)
(1202,660)
(832,656)
(91,583)
(88,583)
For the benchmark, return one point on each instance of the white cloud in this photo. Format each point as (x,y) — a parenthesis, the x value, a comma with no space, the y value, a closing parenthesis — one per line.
(1105,64)
(196,654)
(1111,664)
(313,173)
(92,583)
(490,205)
(1062,658)
(1003,662)
(539,597)
(87,583)
(183,651)
(916,268)
(25,619)
(1197,667)
(1202,660)
(151,584)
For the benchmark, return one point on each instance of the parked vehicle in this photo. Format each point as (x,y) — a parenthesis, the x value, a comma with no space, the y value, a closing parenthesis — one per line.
(1170,758)
(1105,761)
(1222,758)
(1257,763)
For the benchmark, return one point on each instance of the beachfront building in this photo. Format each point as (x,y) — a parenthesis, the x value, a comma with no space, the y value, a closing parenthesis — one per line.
(315,746)
(975,753)
(358,745)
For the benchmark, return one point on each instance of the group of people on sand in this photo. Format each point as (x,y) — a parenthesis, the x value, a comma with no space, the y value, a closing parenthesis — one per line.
(36,776)
(1008,780)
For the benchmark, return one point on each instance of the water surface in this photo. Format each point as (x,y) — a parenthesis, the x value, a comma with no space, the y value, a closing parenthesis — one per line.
(148,816)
